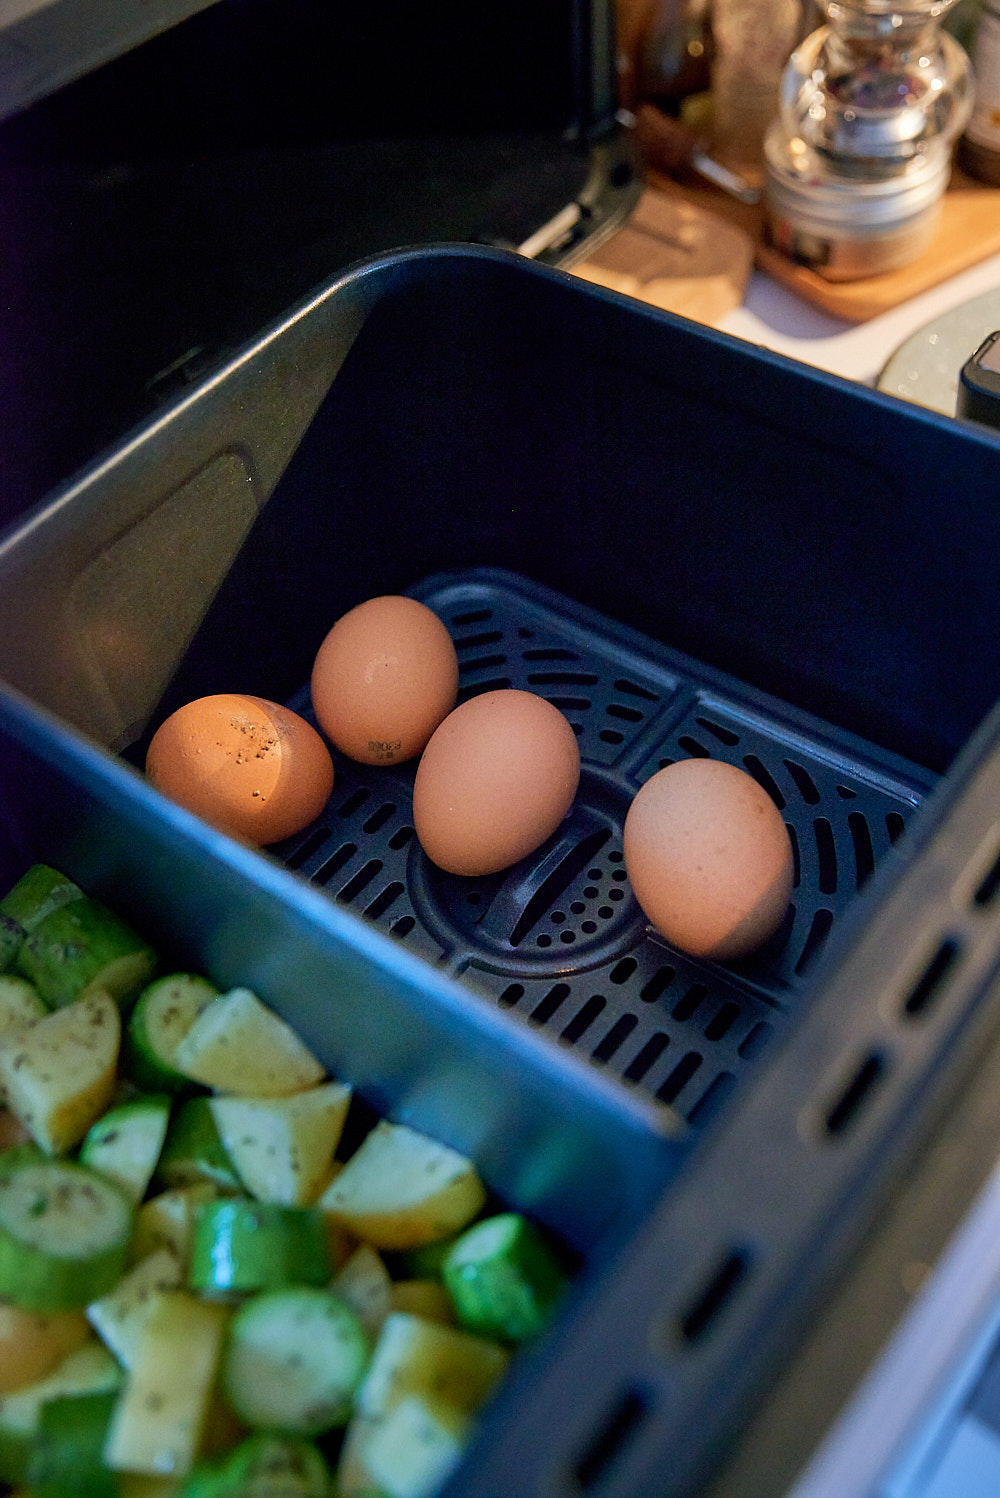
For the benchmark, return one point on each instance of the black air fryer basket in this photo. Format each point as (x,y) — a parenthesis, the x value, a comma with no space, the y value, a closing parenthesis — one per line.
(692,548)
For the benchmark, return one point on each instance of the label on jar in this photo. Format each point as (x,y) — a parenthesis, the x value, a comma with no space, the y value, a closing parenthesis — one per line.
(984,122)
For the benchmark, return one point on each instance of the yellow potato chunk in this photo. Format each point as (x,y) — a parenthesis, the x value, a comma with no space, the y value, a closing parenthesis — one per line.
(59,1075)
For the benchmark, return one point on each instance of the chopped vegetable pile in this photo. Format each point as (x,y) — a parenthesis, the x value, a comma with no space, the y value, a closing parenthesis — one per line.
(199,1298)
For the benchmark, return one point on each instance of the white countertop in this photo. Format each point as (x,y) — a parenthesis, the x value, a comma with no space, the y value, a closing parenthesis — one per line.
(776,318)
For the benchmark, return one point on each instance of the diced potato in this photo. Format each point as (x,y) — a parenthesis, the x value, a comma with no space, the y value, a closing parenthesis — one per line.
(415,1447)
(353,1479)
(238,1045)
(168,1221)
(157,1425)
(59,1075)
(31,1344)
(414,1356)
(282,1148)
(426,1298)
(402,1189)
(119,1318)
(365,1284)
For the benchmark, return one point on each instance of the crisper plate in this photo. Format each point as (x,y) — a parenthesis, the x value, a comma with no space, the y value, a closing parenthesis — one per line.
(559,937)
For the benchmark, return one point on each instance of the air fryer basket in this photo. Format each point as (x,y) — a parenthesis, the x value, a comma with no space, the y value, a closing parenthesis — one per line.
(692,548)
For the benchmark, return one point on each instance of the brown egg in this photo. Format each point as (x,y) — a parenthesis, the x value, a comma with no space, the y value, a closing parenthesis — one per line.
(383,679)
(709,858)
(252,768)
(495,781)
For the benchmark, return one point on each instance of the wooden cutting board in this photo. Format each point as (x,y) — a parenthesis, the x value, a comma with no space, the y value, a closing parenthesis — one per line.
(675,254)
(969,232)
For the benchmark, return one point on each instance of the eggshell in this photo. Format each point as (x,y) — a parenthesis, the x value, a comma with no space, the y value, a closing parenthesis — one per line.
(251,767)
(383,679)
(709,858)
(495,780)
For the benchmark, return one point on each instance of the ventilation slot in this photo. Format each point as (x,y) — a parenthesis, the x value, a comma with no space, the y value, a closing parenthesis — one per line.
(482,663)
(615,1038)
(691,746)
(554,653)
(764,779)
(804,782)
(546,1008)
(987,888)
(686,1006)
(928,986)
(354,801)
(711,1100)
(511,994)
(724,735)
(708,1305)
(563,679)
(826,849)
(379,818)
(755,1040)
(361,881)
(864,855)
(382,902)
(582,1022)
(476,642)
(335,863)
(894,826)
(822,923)
(657,985)
(622,971)
(651,1051)
(627,714)
(679,1077)
(855,1097)
(477,616)
(617,1430)
(632,689)
(311,845)
(722,1023)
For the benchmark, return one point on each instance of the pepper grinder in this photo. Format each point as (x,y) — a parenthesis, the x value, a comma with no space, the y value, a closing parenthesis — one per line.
(859,158)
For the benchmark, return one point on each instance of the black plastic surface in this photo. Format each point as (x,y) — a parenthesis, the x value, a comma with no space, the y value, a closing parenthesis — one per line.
(559,938)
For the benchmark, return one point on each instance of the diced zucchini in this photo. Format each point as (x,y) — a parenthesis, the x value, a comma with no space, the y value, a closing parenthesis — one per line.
(67,1460)
(239,1045)
(413,1356)
(90,1369)
(38,892)
(244,1246)
(33,1344)
(263,1466)
(164,1012)
(119,1318)
(282,1148)
(401,1189)
(416,1446)
(125,1143)
(59,1075)
(193,1151)
(64,1232)
(293,1360)
(81,947)
(157,1425)
(504,1279)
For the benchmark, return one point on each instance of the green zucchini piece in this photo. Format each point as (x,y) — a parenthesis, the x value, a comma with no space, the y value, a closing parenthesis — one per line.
(90,1369)
(164,1012)
(64,1232)
(504,1278)
(263,1466)
(193,1151)
(245,1246)
(83,946)
(35,895)
(125,1143)
(67,1458)
(293,1361)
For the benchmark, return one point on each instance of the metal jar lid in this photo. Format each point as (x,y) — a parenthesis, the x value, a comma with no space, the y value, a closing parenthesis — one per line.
(803,186)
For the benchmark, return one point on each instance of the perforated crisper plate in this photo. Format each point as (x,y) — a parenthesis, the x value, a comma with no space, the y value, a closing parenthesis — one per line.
(559,937)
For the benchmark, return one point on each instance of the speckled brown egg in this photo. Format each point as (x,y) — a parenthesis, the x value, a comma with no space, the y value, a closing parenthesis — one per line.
(495,781)
(383,679)
(250,767)
(709,858)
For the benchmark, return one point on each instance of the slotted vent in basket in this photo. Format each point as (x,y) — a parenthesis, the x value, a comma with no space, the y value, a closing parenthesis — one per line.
(559,938)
